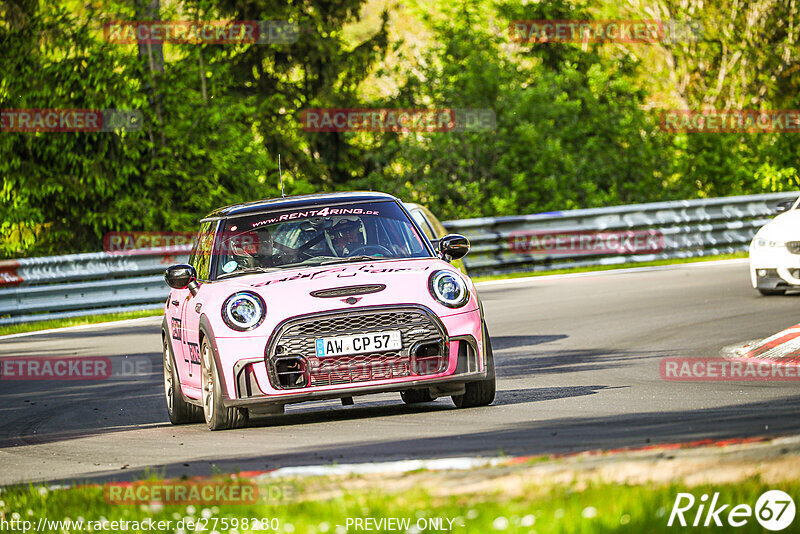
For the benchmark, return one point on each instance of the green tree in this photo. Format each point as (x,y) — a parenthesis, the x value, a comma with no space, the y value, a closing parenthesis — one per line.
(320,70)
(569,132)
(61,192)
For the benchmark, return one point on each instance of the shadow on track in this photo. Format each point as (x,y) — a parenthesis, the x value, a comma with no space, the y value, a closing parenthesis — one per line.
(47,411)
(32,414)
(522,396)
(519,356)
(555,436)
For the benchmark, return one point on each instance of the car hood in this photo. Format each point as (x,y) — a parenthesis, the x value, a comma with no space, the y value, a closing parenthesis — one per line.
(784,227)
(289,293)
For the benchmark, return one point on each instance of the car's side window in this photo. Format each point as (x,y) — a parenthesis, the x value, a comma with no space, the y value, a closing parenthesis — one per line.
(192,255)
(201,257)
(397,233)
(423,223)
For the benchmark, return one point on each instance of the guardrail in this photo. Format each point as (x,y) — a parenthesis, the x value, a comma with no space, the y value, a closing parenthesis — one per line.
(38,289)
(35,289)
(685,228)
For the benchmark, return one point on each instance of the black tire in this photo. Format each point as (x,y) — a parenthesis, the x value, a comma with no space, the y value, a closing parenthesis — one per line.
(480,393)
(180,412)
(416,396)
(217,416)
(771,292)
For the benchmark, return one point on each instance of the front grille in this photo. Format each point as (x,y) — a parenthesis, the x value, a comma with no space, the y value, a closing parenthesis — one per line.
(424,350)
(793,247)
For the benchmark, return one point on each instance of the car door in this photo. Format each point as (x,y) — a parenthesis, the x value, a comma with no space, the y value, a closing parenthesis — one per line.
(176,302)
(192,306)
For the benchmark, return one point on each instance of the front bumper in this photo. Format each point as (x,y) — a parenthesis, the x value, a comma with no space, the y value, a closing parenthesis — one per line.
(356,390)
(253,381)
(773,279)
(774,268)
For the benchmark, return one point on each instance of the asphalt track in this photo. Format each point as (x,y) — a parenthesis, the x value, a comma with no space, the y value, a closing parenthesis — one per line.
(577,362)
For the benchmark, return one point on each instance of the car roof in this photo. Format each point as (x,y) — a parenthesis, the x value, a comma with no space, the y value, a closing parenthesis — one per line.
(296,202)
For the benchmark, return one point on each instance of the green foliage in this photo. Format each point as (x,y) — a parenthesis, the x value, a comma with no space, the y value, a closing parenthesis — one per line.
(62,191)
(569,132)
(576,125)
(320,70)
(744,57)
(318,504)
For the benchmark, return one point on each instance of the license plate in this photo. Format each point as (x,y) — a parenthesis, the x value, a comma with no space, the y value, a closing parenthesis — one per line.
(359,344)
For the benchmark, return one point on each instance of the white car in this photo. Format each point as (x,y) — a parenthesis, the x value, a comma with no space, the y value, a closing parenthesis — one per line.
(775,252)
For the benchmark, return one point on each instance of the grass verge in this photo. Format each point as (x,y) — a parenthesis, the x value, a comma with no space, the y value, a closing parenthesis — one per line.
(76,321)
(540,508)
(656,263)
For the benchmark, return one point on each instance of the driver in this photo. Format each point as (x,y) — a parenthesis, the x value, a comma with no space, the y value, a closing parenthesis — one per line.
(346,236)
(265,254)
(262,251)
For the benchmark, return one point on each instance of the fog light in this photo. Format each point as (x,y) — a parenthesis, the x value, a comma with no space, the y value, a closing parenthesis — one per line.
(762,272)
(291,372)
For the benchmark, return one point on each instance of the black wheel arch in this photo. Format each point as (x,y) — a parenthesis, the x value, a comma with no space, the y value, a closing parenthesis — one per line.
(165,334)
(206,332)
(486,341)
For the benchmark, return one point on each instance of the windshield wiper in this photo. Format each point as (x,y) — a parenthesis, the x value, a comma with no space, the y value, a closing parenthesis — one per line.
(349,259)
(310,262)
(249,270)
(328,260)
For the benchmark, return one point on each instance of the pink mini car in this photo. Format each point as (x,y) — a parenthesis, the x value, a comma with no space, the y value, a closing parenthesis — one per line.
(320,297)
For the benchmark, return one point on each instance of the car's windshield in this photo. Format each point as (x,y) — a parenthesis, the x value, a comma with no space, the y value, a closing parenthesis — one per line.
(316,236)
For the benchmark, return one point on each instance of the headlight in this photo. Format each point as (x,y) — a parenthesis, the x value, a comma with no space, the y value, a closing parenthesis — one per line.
(243,311)
(763,243)
(448,288)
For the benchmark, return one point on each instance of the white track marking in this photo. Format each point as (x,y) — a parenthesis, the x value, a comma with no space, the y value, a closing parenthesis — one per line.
(124,322)
(607,272)
(402,466)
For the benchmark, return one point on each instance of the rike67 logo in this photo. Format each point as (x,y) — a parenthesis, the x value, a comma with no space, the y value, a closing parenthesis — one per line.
(774,510)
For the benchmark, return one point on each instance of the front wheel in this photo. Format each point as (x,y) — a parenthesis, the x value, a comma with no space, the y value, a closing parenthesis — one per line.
(217,416)
(180,412)
(771,292)
(480,393)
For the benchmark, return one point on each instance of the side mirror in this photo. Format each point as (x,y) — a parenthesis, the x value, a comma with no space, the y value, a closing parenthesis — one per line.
(786,205)
(182,277)
(453,247)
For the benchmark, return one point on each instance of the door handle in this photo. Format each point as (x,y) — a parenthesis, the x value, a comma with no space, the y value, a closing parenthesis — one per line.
(175,303)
